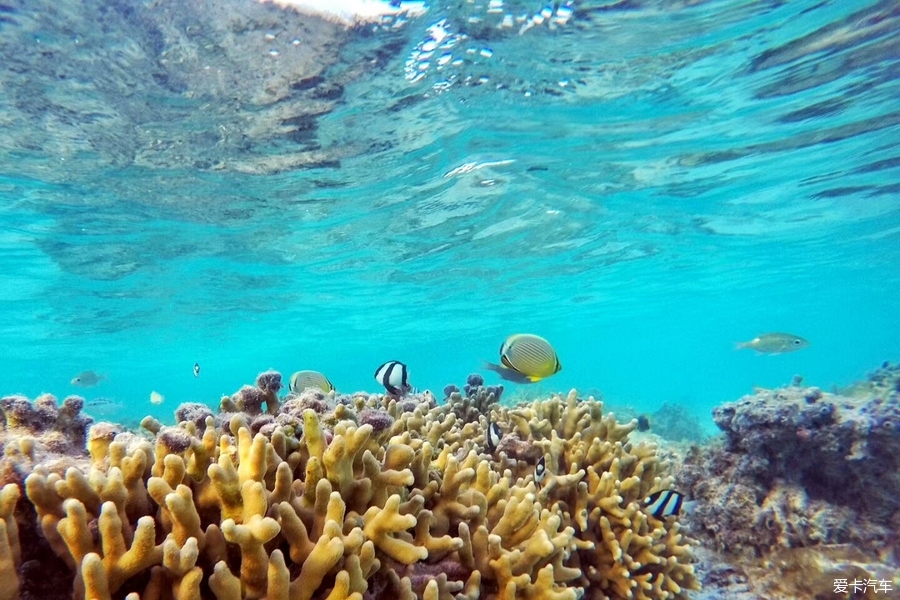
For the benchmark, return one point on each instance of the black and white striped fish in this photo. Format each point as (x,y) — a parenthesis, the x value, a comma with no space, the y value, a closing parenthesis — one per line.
(394,376)
(492,437)
(666,503)
(540,471)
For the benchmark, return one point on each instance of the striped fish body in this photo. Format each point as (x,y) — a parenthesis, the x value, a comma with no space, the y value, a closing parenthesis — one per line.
(540,470)
(664,503)
(493,437)
(530,355)
(394,376)
(309,379)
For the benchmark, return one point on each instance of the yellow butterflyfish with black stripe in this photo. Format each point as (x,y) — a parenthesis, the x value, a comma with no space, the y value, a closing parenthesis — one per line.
(526,358)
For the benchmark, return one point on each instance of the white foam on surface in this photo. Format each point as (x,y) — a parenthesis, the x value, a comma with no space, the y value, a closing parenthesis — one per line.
(351,13)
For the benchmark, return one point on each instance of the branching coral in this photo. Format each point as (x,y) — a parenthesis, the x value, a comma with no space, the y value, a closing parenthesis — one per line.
(395,502)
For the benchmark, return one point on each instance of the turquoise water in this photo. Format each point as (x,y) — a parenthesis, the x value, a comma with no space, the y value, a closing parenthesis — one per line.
(646,186)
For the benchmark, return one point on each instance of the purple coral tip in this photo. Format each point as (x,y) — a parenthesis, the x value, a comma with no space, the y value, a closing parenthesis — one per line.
(379,420)
(475,380)
(175,439)
(449,389)
(73,404)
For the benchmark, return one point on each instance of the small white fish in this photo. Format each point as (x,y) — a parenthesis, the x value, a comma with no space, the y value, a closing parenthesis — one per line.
(156,398)
(87,379)
(102,406)
(196,369)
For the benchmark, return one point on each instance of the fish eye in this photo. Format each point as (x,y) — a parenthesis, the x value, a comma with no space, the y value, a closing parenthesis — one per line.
(796,342)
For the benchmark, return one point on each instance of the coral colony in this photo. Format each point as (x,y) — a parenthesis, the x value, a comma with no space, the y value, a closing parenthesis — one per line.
(322,496)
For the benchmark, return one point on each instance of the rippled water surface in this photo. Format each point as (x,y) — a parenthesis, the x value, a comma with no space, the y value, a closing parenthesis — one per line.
(644,184)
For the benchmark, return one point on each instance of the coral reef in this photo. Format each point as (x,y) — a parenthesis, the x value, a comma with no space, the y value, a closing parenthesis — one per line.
(880,383)
(55,437)
(800,470)
(673,421)
(363,499)
(475,400)
(63,428)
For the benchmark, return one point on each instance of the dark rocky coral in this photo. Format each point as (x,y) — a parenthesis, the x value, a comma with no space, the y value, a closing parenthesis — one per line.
(262,422)
(269,382)
(473,381)
(475,387)
(478,399)
(880,382)
(798,467)
(250,400)
(193,412)
(65,425)
(174,439)
(295,404)
(515,447)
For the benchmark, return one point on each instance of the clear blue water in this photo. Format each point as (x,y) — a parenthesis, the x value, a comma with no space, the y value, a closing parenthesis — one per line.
(658,181)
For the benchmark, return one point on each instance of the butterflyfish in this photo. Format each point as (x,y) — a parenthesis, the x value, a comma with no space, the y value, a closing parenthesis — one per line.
(526,358)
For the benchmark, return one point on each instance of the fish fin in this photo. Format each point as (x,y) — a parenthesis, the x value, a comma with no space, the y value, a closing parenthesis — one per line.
(533,379)
(491,366)
(688,506)
(504,373)
(742,345)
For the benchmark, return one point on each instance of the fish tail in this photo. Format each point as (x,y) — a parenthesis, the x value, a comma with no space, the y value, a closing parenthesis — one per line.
(491,367)
(742,345)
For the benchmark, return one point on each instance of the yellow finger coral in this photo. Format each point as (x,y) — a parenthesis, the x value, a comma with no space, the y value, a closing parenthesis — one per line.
(406,505)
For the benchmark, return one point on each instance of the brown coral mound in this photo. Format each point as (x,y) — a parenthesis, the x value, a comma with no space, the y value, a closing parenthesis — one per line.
(417,510)
(789,489)
(795,469)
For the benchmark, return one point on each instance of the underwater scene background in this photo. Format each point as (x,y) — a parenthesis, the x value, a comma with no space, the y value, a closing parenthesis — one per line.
(248,186)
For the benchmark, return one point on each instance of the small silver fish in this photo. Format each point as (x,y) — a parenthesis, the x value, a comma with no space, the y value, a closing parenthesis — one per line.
(87,379)
(102,406)
(775,343)
(196,369)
